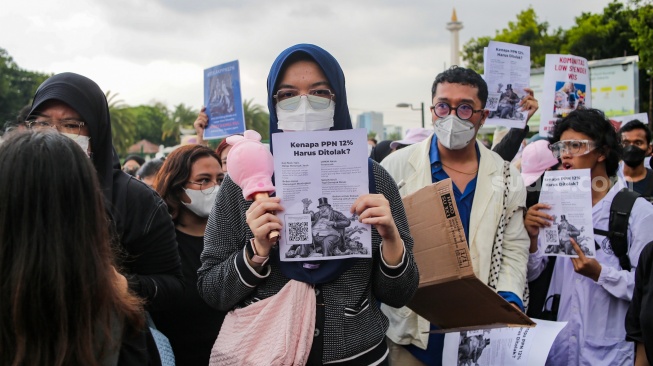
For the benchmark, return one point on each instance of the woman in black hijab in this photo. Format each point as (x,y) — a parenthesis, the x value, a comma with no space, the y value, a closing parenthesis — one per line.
(138,216)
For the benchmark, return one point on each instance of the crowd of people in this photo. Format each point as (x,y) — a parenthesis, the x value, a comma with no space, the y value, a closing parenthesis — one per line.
(98,258)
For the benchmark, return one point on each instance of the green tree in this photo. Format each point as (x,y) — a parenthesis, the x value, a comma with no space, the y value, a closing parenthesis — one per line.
(473,53)
(123,123)
(371,135)
(600,36)
(181,117)
(527,31)
(256,118)
(17,86)
(150,120)
(642,25)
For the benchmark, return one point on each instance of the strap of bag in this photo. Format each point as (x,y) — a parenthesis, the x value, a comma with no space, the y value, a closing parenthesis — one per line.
(620,209)
(497,249)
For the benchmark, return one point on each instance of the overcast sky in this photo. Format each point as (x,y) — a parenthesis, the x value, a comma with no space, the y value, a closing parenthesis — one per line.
(156,50)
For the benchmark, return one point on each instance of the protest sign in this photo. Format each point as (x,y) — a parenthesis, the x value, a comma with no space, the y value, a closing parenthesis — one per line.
(223,101)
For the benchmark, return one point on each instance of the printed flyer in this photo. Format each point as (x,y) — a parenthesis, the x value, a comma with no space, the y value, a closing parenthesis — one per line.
(318,176)
(223,101)
(507,73)
(502,346)
(569,193)
(566,87)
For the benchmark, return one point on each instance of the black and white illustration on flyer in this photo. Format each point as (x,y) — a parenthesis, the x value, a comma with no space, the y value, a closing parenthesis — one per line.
(507,73)
(501,346)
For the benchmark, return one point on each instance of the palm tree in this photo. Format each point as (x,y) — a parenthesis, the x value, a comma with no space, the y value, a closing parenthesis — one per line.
(256,118)
(181,117)
(123,123)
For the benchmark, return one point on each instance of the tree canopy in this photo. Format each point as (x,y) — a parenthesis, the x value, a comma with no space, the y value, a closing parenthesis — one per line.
(129,124)
(17,87)
(620,30)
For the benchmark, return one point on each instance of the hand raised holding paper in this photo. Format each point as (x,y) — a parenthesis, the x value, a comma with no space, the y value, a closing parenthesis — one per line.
(374,209)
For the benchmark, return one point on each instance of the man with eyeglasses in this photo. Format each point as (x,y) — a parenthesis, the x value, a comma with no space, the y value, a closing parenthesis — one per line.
(459,96)
(76,107)
(636,141)
(594,292)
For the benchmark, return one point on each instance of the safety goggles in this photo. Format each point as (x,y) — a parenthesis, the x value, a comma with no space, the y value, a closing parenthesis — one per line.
(572,147)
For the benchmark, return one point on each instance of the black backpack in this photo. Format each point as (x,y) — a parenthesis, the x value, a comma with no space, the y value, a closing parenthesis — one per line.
(617,232)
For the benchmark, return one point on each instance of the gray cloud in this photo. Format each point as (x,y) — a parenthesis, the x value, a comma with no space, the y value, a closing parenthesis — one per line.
(390,50)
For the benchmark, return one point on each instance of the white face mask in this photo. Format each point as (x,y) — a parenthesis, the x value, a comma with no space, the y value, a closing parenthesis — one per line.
(200,203)
(305,118)
(82,141)
(454,133)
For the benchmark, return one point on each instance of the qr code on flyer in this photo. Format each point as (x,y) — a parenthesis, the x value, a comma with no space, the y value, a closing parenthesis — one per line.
(298,229)
(551,236)
(492,102)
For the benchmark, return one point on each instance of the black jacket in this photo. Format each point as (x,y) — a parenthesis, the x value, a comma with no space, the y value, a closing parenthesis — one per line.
(639,319)
(138,217)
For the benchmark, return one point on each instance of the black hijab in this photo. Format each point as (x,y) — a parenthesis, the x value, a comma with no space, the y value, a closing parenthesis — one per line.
(86,98)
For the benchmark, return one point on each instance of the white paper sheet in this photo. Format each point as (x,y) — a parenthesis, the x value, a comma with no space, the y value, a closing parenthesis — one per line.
(318,176)
(507,73)
(569,193)
(502,346)
(566,87)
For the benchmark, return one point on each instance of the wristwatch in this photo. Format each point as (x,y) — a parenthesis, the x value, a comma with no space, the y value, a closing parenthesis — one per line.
(257,259)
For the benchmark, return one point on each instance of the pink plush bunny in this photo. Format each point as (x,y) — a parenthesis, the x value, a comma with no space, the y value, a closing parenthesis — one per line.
(251,167)
(250,164)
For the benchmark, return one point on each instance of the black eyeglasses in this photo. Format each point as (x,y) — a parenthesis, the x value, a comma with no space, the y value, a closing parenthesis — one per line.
(464,111)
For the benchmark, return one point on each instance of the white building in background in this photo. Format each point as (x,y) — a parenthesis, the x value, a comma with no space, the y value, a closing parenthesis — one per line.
(391,129)
(372,122)
(454,26)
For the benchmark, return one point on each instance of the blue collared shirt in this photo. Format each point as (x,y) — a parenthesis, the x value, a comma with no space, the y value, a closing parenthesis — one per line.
(464,199)
(432,355)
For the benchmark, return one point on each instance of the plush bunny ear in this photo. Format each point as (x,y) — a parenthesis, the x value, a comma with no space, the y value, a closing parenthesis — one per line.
(252,135)
(248,135)
(232,140)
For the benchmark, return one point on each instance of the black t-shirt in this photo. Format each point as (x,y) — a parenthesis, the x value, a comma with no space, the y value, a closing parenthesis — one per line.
(190,324)
(645,185)
(639,319)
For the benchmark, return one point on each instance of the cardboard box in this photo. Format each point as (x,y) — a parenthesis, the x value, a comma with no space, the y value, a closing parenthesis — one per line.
(449,294)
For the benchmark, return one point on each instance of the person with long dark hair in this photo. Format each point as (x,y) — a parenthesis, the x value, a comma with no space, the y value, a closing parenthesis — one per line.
(62,302)
(188,182)
(75,106)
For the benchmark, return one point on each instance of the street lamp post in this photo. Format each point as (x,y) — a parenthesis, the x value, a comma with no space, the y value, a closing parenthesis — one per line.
(407,105)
